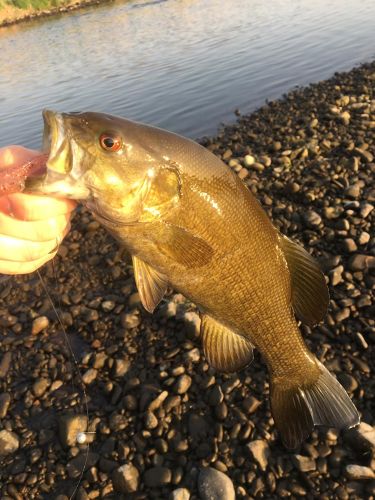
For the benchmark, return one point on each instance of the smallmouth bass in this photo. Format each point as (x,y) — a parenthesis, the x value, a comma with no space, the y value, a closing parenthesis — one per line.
(189,222)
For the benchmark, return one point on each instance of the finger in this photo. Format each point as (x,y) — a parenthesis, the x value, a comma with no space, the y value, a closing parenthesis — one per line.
(33,207)
(7,267)
(16,250)
(38,231)
(16,155)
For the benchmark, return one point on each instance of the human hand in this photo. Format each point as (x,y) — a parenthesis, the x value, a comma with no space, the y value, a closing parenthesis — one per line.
(31,227)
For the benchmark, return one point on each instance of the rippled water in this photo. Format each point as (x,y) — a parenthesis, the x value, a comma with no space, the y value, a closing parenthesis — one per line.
(181,64)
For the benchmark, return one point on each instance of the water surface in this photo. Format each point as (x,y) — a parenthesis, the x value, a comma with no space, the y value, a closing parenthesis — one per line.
(185,65)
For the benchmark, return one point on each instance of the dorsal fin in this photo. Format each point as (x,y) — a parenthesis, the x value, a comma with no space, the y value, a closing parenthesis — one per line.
(150,283)
(310,295)
(224,349)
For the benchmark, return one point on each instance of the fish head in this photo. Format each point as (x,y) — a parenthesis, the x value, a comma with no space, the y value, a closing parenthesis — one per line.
(115,166)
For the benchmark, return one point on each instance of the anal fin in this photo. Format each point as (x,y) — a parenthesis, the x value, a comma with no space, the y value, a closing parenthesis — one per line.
(224,349)
(150,283)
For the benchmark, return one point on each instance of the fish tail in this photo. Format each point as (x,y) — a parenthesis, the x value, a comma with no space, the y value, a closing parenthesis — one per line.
(316,398)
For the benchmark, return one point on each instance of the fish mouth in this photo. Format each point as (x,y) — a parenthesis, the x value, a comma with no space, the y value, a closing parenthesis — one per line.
(63,161)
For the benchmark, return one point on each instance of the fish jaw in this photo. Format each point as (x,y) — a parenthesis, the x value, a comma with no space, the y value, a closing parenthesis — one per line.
(63,177)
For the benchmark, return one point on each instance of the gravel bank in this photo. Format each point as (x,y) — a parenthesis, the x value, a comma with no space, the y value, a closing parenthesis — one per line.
(163,424)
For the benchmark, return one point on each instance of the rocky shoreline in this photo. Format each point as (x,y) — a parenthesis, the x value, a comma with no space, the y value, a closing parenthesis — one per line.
(162,423)
(17,16)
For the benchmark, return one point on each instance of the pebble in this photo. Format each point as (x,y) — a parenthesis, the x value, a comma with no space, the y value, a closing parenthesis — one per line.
(5,363)
(39,324)
(4,404)
(192,323)
(361,438)
(126,479)
(260,451)
(304,464)
(9,442)
(130,320)
(215,485)
(359,472)
(40,386)
(182,384)
(312,219)
(249,160)
(180,494)
(70,426)
(157,476)
(361,262)
(89,376)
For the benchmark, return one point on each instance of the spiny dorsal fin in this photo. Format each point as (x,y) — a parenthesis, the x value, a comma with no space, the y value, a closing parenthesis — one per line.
(225,350)
(151,284)
(310,295)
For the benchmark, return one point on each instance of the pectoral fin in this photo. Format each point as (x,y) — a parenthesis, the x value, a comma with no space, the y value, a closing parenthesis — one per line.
(180,245)
(225,350)
(310,295)
(151,284)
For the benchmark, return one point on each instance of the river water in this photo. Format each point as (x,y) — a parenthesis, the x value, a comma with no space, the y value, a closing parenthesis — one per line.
(184,65)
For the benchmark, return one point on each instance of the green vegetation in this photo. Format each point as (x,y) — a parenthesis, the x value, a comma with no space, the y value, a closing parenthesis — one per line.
(32,4)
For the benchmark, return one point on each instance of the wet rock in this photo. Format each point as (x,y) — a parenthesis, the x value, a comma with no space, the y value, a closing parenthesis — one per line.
(260,452)
(213,484)
(157,476)
(39,324)
(9,442)
(126,479)
(359,472)
(69,428)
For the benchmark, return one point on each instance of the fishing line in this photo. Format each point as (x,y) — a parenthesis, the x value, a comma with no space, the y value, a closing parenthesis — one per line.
(81,436)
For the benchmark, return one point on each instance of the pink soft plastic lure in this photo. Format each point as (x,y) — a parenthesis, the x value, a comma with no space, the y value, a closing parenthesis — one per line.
(12,179)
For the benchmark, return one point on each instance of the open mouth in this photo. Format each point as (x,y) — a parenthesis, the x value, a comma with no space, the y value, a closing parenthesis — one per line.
(55,142)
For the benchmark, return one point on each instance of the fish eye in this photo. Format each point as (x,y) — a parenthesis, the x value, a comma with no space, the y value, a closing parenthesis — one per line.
(110,142)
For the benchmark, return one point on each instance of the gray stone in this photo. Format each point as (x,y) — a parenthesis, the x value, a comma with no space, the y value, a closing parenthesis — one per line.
(69,427)
(9,442)
(125,479)
(215,485)
(260,452)
(39,324)
(359,472)
(157,476)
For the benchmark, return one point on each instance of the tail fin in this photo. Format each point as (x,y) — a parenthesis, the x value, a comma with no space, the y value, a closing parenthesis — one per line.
(298,408)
